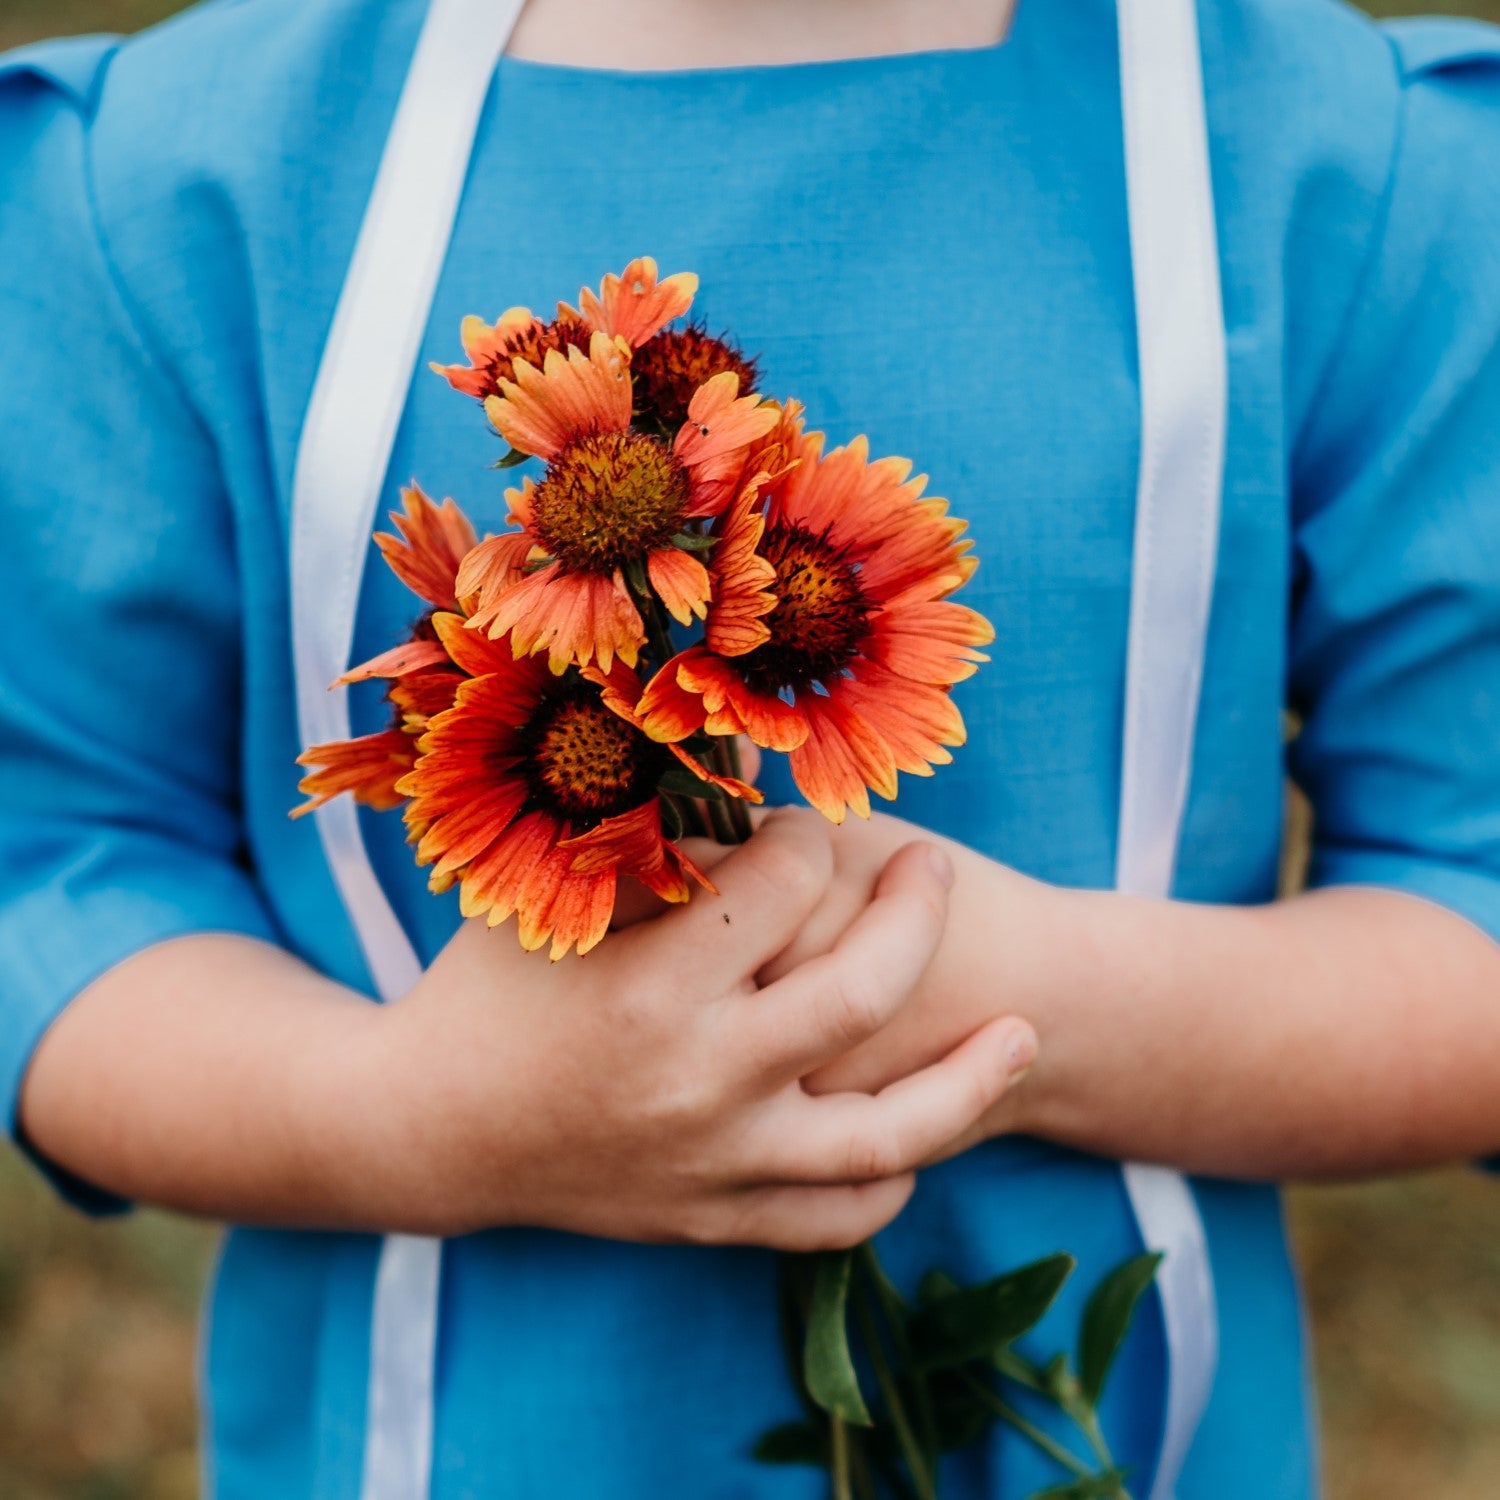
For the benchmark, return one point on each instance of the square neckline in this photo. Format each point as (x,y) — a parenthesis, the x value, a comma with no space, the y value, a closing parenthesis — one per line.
(799,69)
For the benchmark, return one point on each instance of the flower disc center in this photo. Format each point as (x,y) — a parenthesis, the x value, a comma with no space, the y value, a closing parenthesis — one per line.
(608,497)
(820,614)
(585,763)
(666,371)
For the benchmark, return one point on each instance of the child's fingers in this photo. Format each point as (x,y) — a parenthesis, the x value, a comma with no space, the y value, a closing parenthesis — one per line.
(849,1138)
(766,888)
(832,1003)
(803,1219)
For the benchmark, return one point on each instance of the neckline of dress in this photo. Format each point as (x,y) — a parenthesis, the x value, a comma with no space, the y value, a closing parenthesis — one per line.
(808,68)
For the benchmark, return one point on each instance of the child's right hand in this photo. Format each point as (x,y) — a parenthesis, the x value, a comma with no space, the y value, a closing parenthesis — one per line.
(652,1092)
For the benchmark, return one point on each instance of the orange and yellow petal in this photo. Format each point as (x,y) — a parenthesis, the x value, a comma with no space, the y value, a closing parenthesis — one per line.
(431,542)
(721,431)
(410,656)
(732,786)
(935,641)
(575,617)
(742,581)
(918,720)
(633,843)
(467,784)
(487,345)
(868,727)
(681,583)
(842,760)
(637,305)
(541,411)
(907,543)
(368,768)
(495,565)
(667,711)
(526,873)
(496,350)
(732,706)
(471,651)
(418,696)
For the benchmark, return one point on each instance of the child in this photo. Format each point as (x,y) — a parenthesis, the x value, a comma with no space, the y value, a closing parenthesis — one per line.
(920,219)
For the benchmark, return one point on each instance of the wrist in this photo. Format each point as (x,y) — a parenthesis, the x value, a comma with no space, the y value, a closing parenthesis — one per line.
(1097,955)
(360,1100)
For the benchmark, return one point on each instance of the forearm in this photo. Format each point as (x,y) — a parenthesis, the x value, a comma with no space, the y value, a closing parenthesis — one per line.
(1339,1032)
(220,1076)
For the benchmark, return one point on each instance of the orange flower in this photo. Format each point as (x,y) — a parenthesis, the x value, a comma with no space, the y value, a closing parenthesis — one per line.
(495,350)
(636,306)
(633,306)
(536,792)
(431,542)
(611,507)
(669,368)
(847,658)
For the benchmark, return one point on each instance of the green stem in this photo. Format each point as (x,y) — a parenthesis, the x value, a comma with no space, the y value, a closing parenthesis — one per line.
(1013,1367)
(658,632)
(718,815)
(864,1480)
(1088,1424)
(893,1306)
(735,769)
(839,1434)
(1022,1371)
(726,763)
(911,1449)
(1009,1415)
(691,813)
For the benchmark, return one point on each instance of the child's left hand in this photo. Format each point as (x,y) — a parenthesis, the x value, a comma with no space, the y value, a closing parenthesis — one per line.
(1000,923)
(998,919)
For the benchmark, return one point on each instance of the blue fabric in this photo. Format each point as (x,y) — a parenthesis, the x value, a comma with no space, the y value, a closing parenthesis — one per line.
(931,249)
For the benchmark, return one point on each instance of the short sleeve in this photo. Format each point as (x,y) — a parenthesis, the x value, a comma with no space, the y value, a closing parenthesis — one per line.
(119,674)
(1394,663)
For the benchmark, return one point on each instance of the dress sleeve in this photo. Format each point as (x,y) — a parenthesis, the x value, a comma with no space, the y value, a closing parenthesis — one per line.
(1394,664)
(119,675)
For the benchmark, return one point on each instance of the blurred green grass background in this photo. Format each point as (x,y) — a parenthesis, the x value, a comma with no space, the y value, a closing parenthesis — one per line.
(97,1321)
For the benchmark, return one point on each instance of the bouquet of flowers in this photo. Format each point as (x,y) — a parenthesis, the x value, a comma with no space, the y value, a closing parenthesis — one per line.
(548,737)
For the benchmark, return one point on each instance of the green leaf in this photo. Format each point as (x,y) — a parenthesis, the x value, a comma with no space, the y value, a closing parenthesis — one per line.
(792,1443)
(681,782)
(1090,1487)
(974,1321)
(1107,1318)
(934,1286)
(671,820)
(958,1415)
(692,541)
(827,1364)
(1058,1379)
(513,457)
(635,575)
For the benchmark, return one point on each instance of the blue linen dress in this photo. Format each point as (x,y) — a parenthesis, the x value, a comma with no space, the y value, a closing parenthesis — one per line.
(931,249)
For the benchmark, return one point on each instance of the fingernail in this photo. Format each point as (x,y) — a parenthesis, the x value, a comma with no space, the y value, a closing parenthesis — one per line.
(942,866)
(1020,1051)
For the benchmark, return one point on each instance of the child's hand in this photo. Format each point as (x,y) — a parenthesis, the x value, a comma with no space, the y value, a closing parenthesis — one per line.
(997,924)
(650,1091)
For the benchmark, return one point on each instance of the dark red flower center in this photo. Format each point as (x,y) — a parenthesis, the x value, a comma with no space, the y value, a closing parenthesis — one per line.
(584,763)
(820,616)
(669,368)
(608,497)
